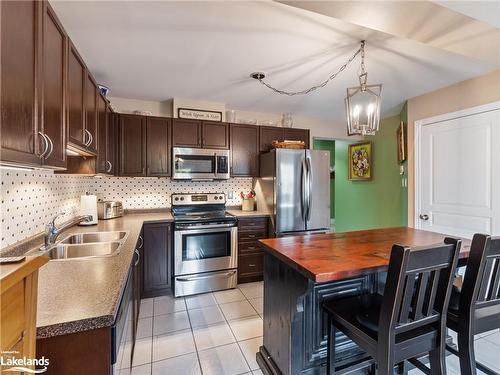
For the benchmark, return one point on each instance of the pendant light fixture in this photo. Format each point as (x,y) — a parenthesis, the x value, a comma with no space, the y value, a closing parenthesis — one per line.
(362,102)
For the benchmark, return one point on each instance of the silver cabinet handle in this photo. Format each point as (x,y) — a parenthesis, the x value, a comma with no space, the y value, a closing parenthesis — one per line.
(89,142)
(424,217)
(138,257)
(46,145)
(142,242)
(85,135)
(226,274)
(110,166)
(51,146)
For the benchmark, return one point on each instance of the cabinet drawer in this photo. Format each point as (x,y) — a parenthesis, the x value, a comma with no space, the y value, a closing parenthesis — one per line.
(252,236)
(251,264)
(249,247)
(247,224)
(12,318)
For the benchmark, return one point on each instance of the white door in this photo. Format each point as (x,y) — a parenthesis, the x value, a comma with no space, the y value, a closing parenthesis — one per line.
(459,175)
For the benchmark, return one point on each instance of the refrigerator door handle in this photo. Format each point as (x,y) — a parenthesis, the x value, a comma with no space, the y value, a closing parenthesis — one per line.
(309,188)
(304,186)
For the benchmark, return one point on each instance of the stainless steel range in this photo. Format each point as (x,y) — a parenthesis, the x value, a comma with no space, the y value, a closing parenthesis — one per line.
(205,244)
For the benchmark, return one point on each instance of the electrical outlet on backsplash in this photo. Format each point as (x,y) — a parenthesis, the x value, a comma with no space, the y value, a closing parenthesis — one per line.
(29,199)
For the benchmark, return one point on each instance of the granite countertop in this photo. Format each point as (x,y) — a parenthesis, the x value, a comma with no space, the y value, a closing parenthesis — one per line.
(81,294)
(236,211)
(337,256)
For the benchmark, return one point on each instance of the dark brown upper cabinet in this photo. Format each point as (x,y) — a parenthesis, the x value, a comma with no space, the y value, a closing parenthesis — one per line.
(268,134)
(90,130)
(244,150)
(293,134)
(20,33)
(214,134)
(158,146)
(53,84)
(186,133)
(112,144)
(105,158)
(76,99)
(198,134)
(132,145)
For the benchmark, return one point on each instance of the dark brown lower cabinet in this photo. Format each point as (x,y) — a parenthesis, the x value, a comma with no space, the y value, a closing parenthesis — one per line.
(80,353)
(250,254)
(137,281)
(157,259)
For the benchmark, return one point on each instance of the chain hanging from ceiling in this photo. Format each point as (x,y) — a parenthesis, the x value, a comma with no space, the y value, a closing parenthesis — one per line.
(259,76)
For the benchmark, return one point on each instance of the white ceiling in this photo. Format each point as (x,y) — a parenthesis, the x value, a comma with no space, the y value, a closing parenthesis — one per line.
(206,50)
(485,11)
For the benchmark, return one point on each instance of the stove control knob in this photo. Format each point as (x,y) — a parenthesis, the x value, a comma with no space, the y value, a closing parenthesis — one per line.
(182,198)
(216,198)
(176,198)
(220,197)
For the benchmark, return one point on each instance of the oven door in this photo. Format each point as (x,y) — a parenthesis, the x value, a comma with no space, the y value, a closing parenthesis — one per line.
(204,248)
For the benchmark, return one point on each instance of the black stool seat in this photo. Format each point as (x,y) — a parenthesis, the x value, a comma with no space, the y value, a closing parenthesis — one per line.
(409,319)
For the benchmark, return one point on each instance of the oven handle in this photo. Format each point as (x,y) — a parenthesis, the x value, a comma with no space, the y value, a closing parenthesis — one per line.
(188,226)
(230,273)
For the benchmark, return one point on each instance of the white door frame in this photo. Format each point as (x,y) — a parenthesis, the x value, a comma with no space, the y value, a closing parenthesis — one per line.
(418,143)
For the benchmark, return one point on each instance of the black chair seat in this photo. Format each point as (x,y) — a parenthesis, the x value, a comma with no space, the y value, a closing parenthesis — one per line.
(366,310)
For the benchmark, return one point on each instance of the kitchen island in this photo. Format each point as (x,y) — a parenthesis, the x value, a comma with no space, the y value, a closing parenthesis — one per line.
(300,273)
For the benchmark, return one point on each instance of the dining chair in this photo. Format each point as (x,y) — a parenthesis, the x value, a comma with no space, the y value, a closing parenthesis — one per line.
(475,307)
(409,319)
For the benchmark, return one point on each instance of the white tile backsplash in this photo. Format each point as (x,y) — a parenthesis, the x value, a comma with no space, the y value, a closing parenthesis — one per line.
(29,199)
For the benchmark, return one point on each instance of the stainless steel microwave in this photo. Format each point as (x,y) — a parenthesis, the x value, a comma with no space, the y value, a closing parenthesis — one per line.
(200,164)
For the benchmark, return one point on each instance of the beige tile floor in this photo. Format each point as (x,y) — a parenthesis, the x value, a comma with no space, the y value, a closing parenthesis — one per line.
(211,334)
(219,333)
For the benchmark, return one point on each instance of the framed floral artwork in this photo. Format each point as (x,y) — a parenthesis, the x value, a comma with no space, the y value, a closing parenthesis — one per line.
(360,161)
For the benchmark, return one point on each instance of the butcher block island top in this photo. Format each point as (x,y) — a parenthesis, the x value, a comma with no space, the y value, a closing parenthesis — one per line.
(337,256)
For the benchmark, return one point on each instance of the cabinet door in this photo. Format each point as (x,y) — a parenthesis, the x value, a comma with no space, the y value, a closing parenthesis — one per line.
(297,135)
(90,113)
(19,38)
(268,134)
(54,46)
(132,142)
(158,146)
(112,144)
(157,259)
(215,135)
(75,97)
(244,150)
(102,136)
(186,133)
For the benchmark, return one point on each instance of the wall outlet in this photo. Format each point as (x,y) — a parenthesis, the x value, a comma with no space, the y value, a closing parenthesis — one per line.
(230,195)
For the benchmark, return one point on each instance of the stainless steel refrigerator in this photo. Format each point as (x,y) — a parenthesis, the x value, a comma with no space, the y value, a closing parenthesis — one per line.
(294,188)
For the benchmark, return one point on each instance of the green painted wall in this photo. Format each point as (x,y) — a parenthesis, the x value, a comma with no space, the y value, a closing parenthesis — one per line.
(323,144)
(376,203)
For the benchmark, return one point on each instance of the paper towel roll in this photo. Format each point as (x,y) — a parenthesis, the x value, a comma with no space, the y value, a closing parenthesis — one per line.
(88,206)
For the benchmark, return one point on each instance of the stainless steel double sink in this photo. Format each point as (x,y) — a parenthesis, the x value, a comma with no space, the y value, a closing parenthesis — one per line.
(88,245)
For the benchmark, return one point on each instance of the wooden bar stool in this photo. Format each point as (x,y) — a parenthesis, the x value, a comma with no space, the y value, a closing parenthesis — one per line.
(476,307)
(409,320)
